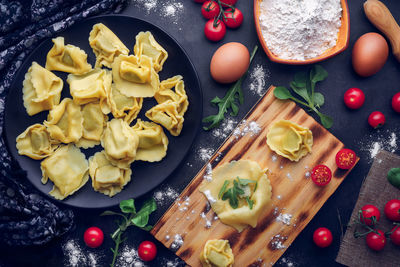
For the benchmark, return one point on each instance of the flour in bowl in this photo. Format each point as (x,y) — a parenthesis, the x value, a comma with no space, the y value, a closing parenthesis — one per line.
(300,29)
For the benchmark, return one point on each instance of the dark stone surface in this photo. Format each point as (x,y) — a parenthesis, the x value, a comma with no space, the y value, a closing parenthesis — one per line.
(349,126)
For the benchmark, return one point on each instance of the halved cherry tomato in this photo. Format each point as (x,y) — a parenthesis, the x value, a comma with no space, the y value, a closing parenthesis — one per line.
(147,251)
(321,175)
(376,241)
(376,119)
(370,215)
(345,158)
(354,98)
(214,31)
(93,237)
(392,210)
(228,2)
(233,18)
(396,102)
(322,237)
(395,235)
(210,9)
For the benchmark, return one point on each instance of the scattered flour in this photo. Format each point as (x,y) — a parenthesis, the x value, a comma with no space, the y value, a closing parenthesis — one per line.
(277,242)
(379,140)
(169,9)
(210,198)
(247,127)
(208,173)
(165,196)
(74,254)
(284,218)
(225,128)
(128,257)
(205,153)
(287,262)
(259,77)
(177,243)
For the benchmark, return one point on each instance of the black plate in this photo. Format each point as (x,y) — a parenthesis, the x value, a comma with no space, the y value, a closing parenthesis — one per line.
(145,175)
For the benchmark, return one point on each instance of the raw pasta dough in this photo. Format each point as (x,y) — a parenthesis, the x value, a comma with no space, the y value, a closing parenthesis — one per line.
(120,143)
(106,45)
(65,122)
(289,139)
(35,142)
(217,253)
(67,168)
(178,96)
(148,46)
(242,216)
(153,143)
(67,58)
(135,76)
(41,89)
(107,178)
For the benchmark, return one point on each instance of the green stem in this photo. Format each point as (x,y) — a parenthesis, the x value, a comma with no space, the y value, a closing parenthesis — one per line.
(117,242)
(300,102)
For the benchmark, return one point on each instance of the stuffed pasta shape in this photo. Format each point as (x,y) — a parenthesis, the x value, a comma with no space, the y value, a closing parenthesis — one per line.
(107,178)
(41,89)
(153,143)
(120,143)
(106,45)
(134,76)
(148,46)
(35,142)
(67,58)
(178,95)
(167,115)
(67,168)
(65,122)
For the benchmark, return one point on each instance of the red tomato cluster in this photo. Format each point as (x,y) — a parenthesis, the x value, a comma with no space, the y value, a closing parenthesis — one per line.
(220,14)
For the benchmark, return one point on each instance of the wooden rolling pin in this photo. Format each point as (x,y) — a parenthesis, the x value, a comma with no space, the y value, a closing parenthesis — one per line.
(379,15)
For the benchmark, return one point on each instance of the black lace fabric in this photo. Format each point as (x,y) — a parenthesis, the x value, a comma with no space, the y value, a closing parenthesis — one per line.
(26,218)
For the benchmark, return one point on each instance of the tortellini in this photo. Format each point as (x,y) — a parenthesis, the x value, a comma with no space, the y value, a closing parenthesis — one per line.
(153,143)
(148,46)
(135,76)
(106,45)
(65,122)
(35,142)
(289,139)
(120,143)
(41,89)
(94,122)
(217,253)
(167,115)
(90,87)
(123,106)
(107,178)
(260,195)
(67,58)
(67,168)
(179,97)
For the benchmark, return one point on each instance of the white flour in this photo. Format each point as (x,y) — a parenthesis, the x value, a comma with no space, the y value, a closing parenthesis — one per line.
(379,140)
(173,10)
(259,77)
(165,196)
(300,29)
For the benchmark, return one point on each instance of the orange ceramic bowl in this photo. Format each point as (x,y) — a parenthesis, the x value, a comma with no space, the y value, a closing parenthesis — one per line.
(341,44)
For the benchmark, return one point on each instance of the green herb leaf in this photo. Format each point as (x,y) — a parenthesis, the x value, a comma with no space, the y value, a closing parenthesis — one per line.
(326,121)
(300,79)
(147,227)
(319,99)
(109,212)
(250,202)
(301,91)
(223,189)
(141,218)
(237,190)
(318,74)
(282,93)
(127,206)
(246,181)
(393,177)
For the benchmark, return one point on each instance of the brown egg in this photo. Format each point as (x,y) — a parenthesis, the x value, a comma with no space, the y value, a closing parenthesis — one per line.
(370,53)
(229,62)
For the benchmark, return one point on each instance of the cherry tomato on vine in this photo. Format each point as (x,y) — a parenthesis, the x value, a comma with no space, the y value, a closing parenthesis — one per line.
(376,119)
(147,251)
(214,31)
(321,175)
(345,158)
(392,210)
(228,2)
(354,98)
(376,241)
(93,237)
(233,18)
(368,212)
(395,235)
(396,102)
(322,237)
(210,9)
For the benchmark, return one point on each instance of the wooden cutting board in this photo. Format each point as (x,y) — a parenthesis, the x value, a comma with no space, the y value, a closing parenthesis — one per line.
(294,195)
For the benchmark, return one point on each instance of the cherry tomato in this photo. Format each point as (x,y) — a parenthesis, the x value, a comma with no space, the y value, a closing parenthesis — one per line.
(395,235)
(346,158)
(376,241)
(376,119)
(392,210)
(228,2)
(200,1)
(322,237)
(93,237)
(210,9)
(233,18)
(396,102)
(321,175)
(368,212)
(214,31)
(147,251)
(354,98)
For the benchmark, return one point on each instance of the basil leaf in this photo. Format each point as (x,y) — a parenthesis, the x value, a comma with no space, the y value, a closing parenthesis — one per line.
(319,99)
(223,189)
(140,219)
(301,91)
(127,206)
(326,121)
(393,177)
(250,202)
(282,93)
(318,74)
(227,194)
(148,206)
(245,181)
(233,201)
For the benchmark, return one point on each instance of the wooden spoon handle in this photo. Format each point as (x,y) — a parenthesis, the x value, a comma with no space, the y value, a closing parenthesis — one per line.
(379,15)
